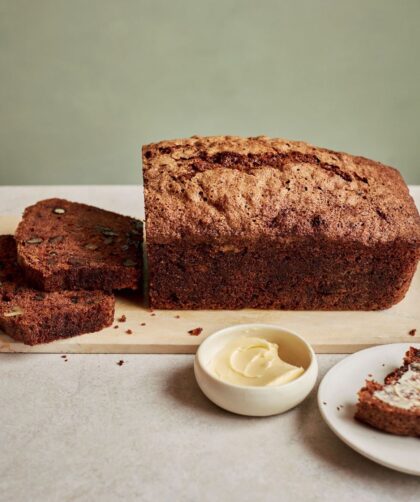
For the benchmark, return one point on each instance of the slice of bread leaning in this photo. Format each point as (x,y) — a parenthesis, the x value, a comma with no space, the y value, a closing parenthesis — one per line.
(65,245)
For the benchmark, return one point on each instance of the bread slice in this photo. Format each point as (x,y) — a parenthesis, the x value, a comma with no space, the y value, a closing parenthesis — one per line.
(64,245)
(34,317)
(373,410)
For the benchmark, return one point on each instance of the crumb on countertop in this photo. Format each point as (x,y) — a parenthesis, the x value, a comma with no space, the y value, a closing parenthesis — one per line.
(195,331)
(120,362)
(123,318)
(412,332)
(129,332)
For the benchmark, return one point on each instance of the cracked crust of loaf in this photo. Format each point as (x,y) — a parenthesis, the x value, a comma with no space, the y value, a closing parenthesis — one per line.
(269,223)
(228,189)
(380,415)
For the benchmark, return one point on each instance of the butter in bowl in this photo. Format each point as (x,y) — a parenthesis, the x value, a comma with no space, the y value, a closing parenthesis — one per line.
(255,369)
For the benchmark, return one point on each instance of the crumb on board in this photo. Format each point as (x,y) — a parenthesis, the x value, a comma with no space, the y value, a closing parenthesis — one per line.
(129,331)
(177,316)
(152,314)
(324,403)
(120,362)
(63,356)
(338,408)
(412,332)
(123,318)
(383,364)
(143,324)
(195,331)
(116,326)
(370,375)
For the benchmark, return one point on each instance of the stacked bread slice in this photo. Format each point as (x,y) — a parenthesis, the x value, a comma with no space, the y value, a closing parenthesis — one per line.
(58,273)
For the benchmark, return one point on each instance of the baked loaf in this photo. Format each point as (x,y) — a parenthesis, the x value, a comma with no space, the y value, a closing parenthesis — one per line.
(373,410)
(34,317)
(268,223)
(64,245)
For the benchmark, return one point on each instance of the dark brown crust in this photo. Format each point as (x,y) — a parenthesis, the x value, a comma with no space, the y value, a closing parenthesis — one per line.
(383,416)
(44,317)
(83,248)
(412,356)
(268,223)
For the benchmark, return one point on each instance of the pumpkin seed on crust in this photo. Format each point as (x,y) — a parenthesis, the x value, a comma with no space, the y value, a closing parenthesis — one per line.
(34,240)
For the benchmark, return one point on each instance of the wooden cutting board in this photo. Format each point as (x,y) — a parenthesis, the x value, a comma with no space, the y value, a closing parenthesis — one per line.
(166,331)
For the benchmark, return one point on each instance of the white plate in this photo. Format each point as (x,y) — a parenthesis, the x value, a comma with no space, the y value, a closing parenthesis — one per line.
(337,398)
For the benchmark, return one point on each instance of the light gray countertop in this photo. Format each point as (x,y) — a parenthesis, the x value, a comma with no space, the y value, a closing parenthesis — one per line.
(87,429)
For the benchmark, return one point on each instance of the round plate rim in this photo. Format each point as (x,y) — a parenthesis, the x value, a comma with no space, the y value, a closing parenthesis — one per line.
(404,346)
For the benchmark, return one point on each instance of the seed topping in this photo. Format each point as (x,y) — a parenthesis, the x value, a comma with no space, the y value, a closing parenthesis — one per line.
(34,240)
(92,247)
(14,312)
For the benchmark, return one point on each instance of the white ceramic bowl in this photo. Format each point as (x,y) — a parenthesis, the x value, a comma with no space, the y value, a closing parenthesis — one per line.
(250,400)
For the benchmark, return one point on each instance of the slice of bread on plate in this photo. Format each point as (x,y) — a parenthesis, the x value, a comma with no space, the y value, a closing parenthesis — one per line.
(394,406)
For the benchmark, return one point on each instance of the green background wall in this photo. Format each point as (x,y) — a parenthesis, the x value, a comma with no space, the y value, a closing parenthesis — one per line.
(83,83)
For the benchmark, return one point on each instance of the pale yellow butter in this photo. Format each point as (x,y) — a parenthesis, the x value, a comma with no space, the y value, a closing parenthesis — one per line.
(253,361)
(405,393)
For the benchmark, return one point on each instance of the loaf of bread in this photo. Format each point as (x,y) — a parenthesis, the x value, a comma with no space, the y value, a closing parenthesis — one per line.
(34,317)
(67,245)
(268,223)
